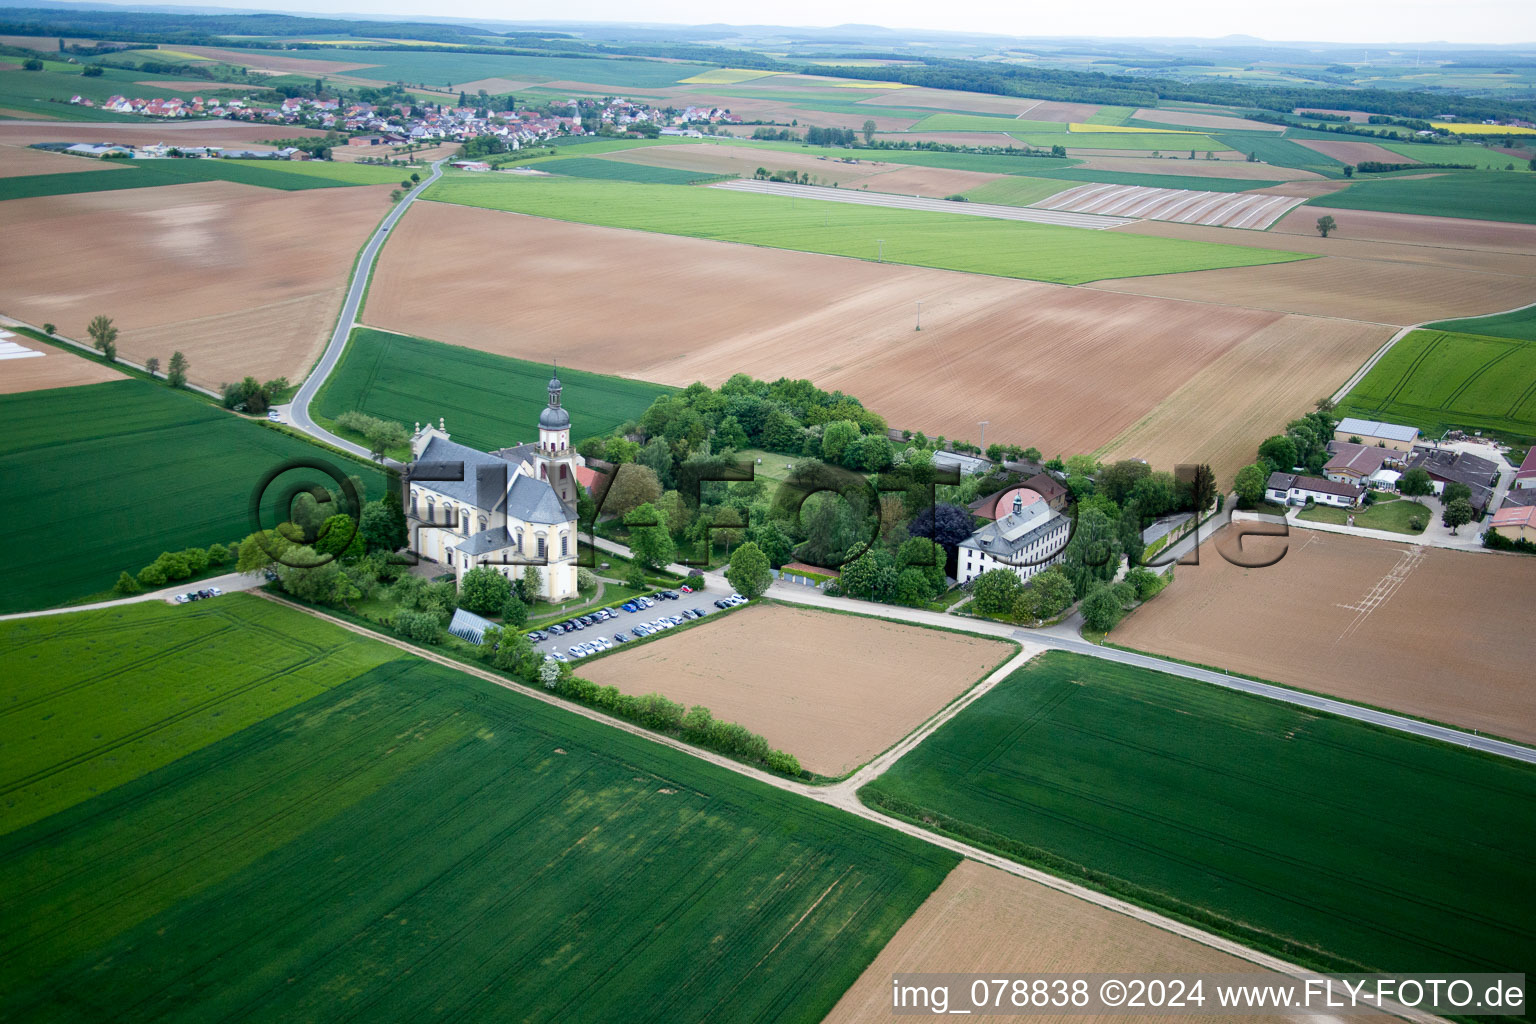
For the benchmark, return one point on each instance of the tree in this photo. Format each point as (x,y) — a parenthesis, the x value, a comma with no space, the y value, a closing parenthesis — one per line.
(176,372)
(152,366)
(1456,491)
(422,627)
(1046,595)
(770,538)
(943,522)
(383,435)
(383,526)
(748,571)
(484,590)
(218,554)
(926,557)
(50,329)
(913,588)
(650,543)
(995,591)
(1416,483)
(869,131)
(1249,484)
(549,674)
(151,577)
(1325,224)
(126,585)
(31,64)
(836,438)
(1278,453)
(1457,514)
(1103,607)
(514,610)
(1118,480)
(1093,553)
(1349,172)
(103,336)
(636,579)
(531,586)
(340,537)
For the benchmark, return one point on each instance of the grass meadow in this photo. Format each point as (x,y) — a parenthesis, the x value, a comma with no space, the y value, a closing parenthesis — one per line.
(1480,157)
(105,477)
(1477,195)
(1324,840)
(284,175)
(437,70)
(1437,379)
(1041,252)
(489,401)
(412,842)
(619,170)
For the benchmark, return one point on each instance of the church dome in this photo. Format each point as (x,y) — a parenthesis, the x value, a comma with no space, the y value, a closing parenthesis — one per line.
(554,419)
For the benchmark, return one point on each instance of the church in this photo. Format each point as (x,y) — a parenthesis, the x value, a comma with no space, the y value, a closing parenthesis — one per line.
(513,508)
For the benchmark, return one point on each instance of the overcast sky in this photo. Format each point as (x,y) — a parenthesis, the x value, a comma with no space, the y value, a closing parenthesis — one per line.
(1351,21)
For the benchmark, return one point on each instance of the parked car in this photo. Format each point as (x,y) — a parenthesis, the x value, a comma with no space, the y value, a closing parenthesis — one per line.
(629,606)
(621,638)
(554,656)
(686,589)
(537,635)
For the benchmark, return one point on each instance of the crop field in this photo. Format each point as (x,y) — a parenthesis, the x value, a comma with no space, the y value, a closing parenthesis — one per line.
(182,133)
(879,175)
(53,369)
(1015,191)
(1438,380)
(945,241)
(1456,128)
(20,161)
(1519,324)
(1427,615)
(438,69)
(725,76)
(244,281)
(982,917)
(126,470)
(1199,175)
(489,401)
(750,668)
(1442,232)
(383,866)
(1123,141)
(615,170)
(1112,359)
(1350,152)
(1209,121)
(96,699)
(1251,210)
(1480,157)
(1477,195)
(1225,809)
(1284,152)
(283,175)
(953,122)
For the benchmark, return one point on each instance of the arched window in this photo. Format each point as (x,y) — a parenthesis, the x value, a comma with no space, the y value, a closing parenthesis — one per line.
(519,541)
(482,524)
(416,503)
(465,520)
(541,545)
(431,509)
(565,545)
(448,513)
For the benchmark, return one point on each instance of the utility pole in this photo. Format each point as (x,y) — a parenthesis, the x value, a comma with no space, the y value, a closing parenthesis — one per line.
(919,315)
(983,425)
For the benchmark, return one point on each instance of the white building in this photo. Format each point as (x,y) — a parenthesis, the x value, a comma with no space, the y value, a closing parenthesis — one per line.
(1290,489)
(1026,540)
(507,509)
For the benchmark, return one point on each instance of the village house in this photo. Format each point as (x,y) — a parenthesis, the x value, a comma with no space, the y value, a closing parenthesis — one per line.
(1515,522)
(1290,489)
(1525,476)
(1363,465)
(1445,466)
(508,509)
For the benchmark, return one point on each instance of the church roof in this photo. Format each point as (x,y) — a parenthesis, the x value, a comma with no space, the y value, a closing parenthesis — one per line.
(535,501)
(528,499)
(1015,531)
(554,419)
(463,491)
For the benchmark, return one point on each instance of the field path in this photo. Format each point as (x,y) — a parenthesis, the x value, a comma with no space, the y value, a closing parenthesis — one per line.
(844,794)
(297,411)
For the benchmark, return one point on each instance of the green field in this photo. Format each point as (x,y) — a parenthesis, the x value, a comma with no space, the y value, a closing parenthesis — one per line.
(1519,324)
(944,122)
(619,170)
(1478,195)
(436,69)
(1016,191)
(1480,157)
(1041,252)
(415,843)
(285,175)
(489,401)
(1143,143)
(107,476)
(1194,182)
(1436,380)
(1284,152)
(1112,115)
(96,699)
(1324,840)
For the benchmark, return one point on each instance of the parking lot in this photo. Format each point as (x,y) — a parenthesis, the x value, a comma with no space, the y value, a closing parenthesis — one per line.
(651,614)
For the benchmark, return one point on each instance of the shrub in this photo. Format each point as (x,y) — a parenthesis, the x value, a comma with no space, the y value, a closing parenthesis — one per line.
(218,554)
(785,764)
(657,712)
(126,585)
(421,627)
(585,579)
(549,674)
(514,611)
(197,559)
(151,576)
(174,565)
(636,578)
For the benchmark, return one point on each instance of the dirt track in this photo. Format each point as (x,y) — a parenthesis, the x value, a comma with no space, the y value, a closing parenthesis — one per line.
(243,280)
(1439,634)
(831,689)
(984,920)
(1064,369)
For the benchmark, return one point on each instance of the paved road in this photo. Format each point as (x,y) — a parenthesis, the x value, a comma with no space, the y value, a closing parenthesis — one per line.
(857,197)
(297,411)
(229,583)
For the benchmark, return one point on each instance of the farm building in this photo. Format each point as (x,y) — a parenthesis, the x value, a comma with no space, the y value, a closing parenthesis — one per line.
(1026,540)
(1445,466)
(508,509)
(1290,489)
(1516,522)
(1525,476)
(1360,464)
(1376,433)
(968,465)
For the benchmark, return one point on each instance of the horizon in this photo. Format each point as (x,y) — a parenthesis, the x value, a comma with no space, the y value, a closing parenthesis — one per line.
(1202,21)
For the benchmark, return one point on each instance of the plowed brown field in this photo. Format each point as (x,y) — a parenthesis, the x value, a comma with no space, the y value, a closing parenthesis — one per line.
(943,99)
(1217,122)
(1407,227)
(185,133)
(1440,634)
(1356,152)
(54,369)
(871,683)
(16,161)
(743,161)
(1064,369)
(1389,293)
(243,280)
(1243,396)
(982,920)
(274,62)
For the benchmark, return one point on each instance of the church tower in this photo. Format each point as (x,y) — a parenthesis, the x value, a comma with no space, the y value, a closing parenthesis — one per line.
(555,460)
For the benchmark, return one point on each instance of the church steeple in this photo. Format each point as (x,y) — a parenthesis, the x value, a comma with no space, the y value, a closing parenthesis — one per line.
(555,460)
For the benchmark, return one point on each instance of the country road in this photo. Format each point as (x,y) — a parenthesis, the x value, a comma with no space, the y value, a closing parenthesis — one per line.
(297,411)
